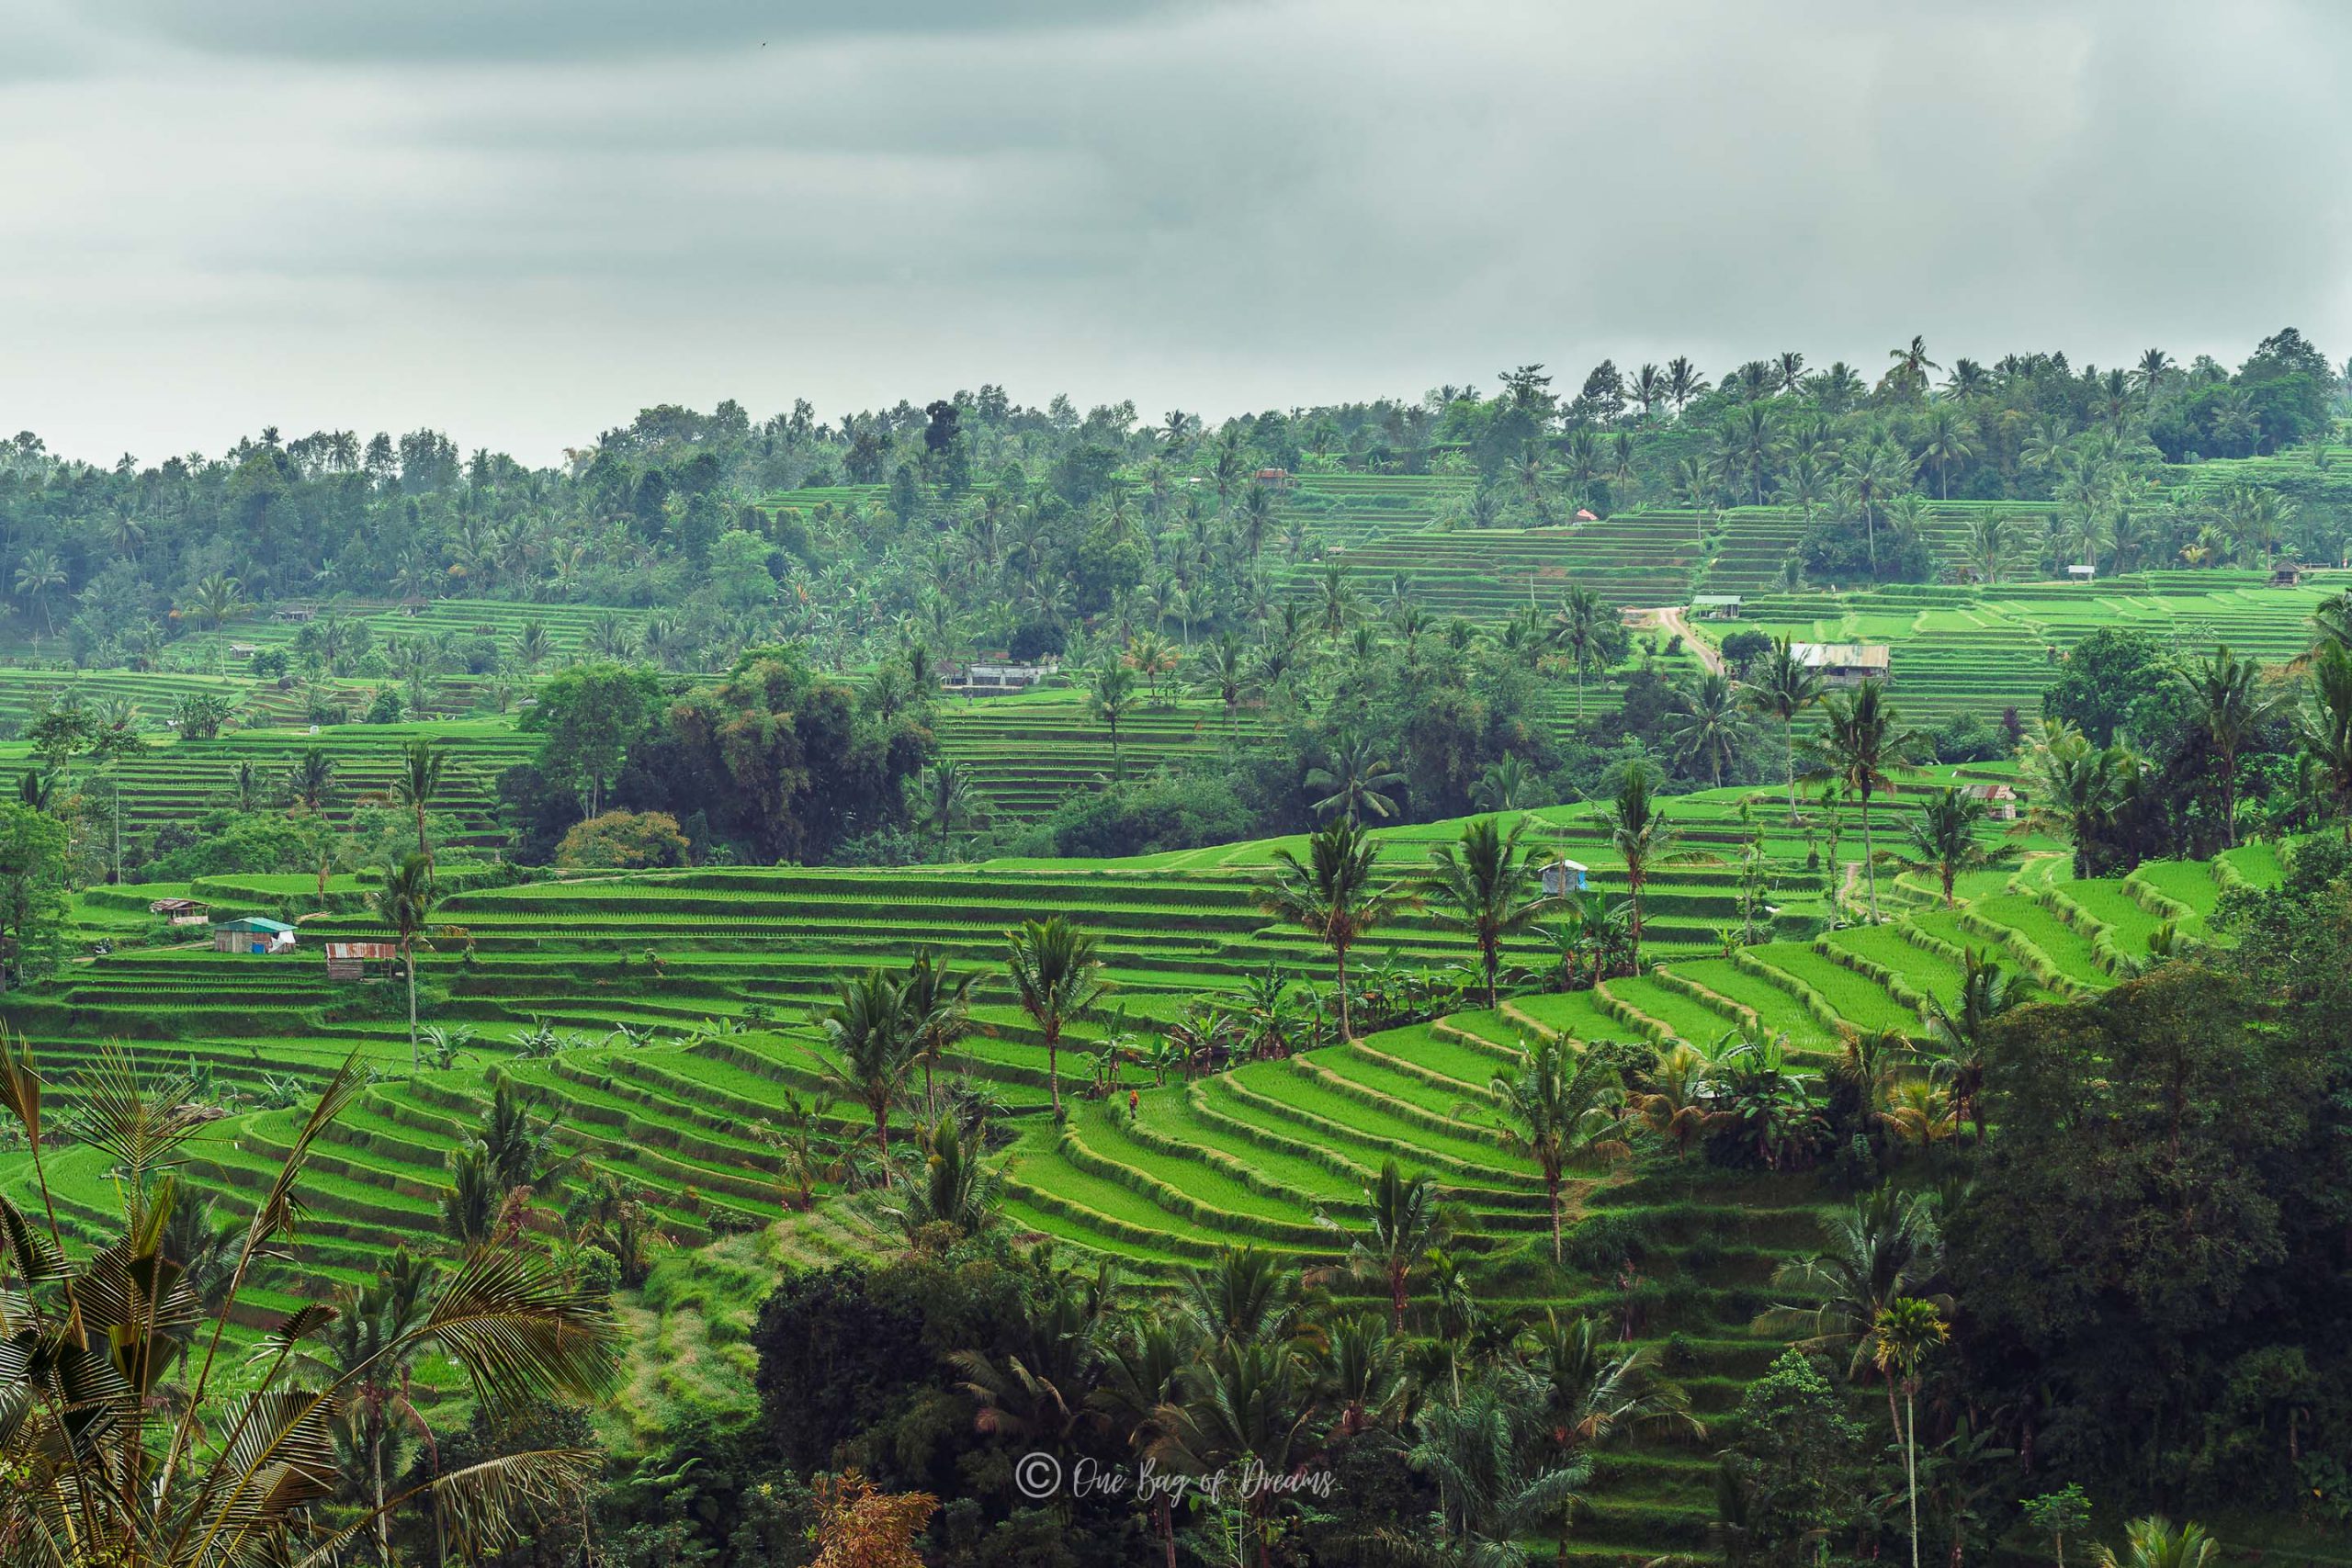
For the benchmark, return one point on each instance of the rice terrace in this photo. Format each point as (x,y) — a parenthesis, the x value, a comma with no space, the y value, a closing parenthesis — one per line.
(935,843)
(1179,786)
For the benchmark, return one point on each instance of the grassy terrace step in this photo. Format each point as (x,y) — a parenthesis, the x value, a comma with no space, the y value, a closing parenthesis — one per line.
(2050,948)
(1909,971)
(1363,1145)
(1846,995)
(1776,1011)
(1682,1016)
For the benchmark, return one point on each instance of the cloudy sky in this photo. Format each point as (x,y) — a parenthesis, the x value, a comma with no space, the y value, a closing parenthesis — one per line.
(522,219)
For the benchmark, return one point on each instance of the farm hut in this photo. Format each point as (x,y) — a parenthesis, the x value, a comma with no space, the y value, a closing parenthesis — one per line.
(1717,607)
(979,680)
(1563,878)
(2000,800)
(2287,575)
(253,934)
(1846,663)
(412,605)
(243,650)
(296,613)
(2082,573)
(182,912)
(1584,516)
(349,960)
(1276,479)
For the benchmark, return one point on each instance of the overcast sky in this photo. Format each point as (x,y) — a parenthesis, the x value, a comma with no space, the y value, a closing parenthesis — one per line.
(520,221)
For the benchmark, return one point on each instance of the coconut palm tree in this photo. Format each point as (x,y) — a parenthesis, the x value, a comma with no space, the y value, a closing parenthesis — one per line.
(1336,894)
(41,575)
(1943,441)
(1905,1331)
(1963,1029)
(1403,1218)
(1943,838)
(418,781)
(1483,1452)
(1872,475)
(1111,694)
(1710,731)
(1683,381)
(938,1004)
(1057,972)
(2227,698)
(312,779)
(2324,726)
(1558,1109)
(216,600)
(1643,840)
(1486,886)
(1508,785)
(404,899)
(1989,547)
(110,1462)
(2074,789)
(873,1050)
(946,798)
(1359,779)
(1862,740)
(1582,628)
(1595,1390)
(1784,688)
(1880,1249)
(1227,669)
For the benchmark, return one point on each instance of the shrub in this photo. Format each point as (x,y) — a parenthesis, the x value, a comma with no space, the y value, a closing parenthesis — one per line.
(623,841)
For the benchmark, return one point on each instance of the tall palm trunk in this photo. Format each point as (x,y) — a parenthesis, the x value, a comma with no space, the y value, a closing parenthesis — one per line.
(408,961)
(1911,1468)
(1053,1065)
(1869,855)
(1347,1031)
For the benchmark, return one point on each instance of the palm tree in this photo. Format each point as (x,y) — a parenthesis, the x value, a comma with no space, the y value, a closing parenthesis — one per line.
(2153,1542)
(1596,1390)
(1649,387)
(1872,475)
(1991,544)
(1788,372)
(1487,885)
(1683,381)
(1710,732)
(39,575)
(2074,789)
(1579,629)
(372,1343)
(1480,1452)
(874,1050)
(1943,441)
(948,798)
(1964,1029)
(1906,1329)
(312,779)
(216,600)
(1111,693)
(1403,1221)
(1643,839)
(1943,838)
(2155,365)
(1226,670)
(1592,925)
(2324,726)
(110,1463)
(417,784)
(1860,742)
(403,900)
(1912,364)
(1057,974)
(1359,779)
(1556,1111)
(938,1005)
(1334,894)
(1784,688)
(1507,785)
(2226,695)
(1877,1251)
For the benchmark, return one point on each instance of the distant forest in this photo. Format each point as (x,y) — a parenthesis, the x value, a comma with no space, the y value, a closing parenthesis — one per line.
(1001,526)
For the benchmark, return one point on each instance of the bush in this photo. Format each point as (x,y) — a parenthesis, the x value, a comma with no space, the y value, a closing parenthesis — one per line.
(1145,817)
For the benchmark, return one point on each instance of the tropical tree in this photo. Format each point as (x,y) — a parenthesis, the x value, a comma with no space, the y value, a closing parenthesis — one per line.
(1403,1220)
(40,575)
(122,1449)
(1784,688)
(1595,1390)
(1486,886)
(1963,1029)
(1111,694)
(1336,894)
(1592,925)
(1710,732)
(402,899)
(2073,789)
(216,600)
(418,781)
(1942,839)
(1862,741)
(1582,627)
(1359,779)
(1057,972)
(1226,669)
(2227,697)
(1484,1453)
(1883,1247)
(946,798)
(2324,726)
(1643,840)
(873,1050)
(1905,1332)
(954,1187)
(938,1005)
(313,780)
(1558,1109)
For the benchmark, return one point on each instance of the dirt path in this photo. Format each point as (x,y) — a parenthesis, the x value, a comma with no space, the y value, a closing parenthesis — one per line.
(1673,622)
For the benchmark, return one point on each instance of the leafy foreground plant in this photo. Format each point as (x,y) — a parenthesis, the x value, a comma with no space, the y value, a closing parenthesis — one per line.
(120,1445)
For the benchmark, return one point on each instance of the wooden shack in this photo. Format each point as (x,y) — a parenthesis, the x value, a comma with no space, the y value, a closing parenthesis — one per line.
(1562,877)
(1715,606)
(253,934)
(182,912)
(1846,663)
(2000,800)
(349,960)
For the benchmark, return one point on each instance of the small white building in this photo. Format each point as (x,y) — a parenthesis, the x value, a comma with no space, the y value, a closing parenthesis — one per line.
(979,680)
(1715,606)
(2082,573)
